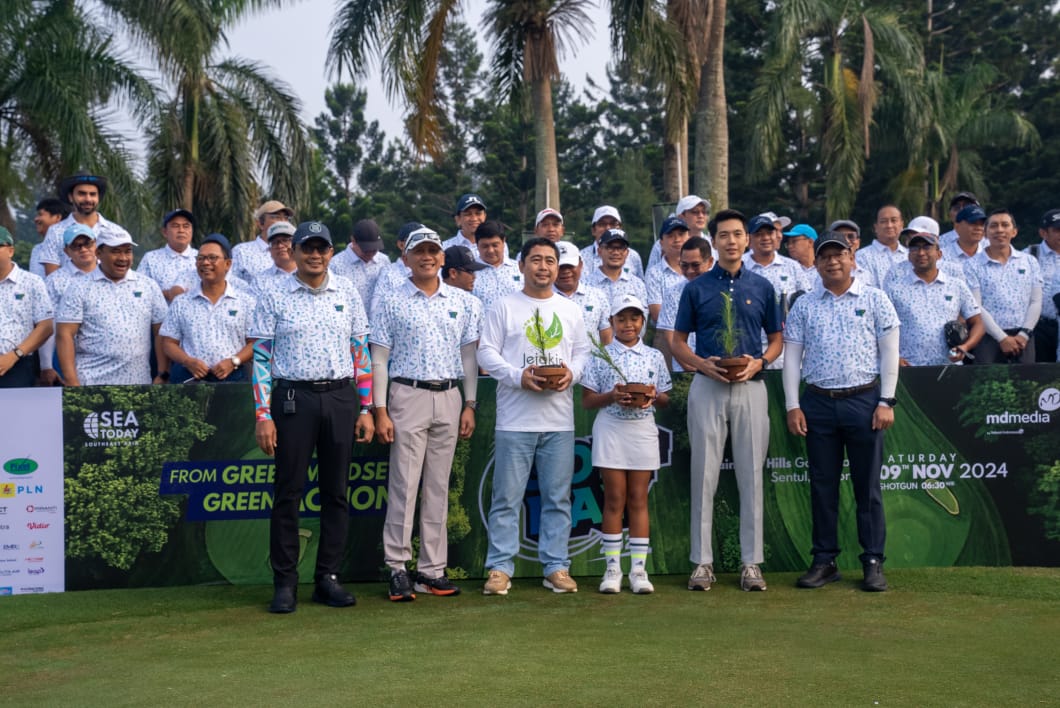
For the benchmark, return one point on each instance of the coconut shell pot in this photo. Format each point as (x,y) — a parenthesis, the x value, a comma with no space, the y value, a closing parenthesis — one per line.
(733,366)
(553,375)
(639,394)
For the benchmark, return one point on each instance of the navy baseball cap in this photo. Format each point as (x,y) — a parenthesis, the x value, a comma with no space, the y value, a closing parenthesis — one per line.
(1051,219)
(466,201)
(759,222)
(461,258)
(831,238)
(971,213)
(964,197)
(367,234)
(221,241)
(308,230)
(614,235)
(178,212)
(672,223)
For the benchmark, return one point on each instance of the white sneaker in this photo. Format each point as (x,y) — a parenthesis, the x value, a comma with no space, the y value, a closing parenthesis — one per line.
(639,583)
(612,581)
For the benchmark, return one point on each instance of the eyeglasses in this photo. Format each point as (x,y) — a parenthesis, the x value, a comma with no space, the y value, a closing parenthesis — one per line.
(833,256)
(616,246)
(314,247)
(212,258)
(81,246)
(916,247)
(280,244)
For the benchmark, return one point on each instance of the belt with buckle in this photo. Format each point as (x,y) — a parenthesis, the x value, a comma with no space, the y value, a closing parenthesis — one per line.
(317,386)
(843,392)
(426,385)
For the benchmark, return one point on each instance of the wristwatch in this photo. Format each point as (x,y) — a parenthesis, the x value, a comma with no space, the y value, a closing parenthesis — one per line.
(765,362)
(236,361)
(472,404)
(19,353)
(892,402)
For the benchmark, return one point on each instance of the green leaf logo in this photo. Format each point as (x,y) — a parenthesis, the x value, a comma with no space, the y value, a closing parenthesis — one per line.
(545,338)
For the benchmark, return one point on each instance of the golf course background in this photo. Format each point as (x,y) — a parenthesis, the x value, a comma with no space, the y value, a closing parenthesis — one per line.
(971,478)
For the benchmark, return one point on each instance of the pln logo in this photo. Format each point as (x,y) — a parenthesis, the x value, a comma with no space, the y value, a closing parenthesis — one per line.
(7,490)
(587,499)
(111,428)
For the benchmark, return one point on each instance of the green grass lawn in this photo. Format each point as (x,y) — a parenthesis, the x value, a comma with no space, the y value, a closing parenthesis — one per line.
(960,636)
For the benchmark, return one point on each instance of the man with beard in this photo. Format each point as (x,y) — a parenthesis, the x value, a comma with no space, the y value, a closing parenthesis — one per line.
(84,192)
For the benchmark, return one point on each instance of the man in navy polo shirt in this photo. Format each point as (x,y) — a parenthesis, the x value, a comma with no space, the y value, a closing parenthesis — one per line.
(715,402)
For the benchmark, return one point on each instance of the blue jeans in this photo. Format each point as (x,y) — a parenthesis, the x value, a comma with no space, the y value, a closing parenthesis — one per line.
(551,455)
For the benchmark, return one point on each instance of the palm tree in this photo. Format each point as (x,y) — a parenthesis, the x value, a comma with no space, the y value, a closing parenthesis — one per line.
(60,82)
(961,115)
(407,38)
(818,39)
(227,121)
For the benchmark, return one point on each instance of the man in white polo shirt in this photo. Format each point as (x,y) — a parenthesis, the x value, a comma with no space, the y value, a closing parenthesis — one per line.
(172,264)
(108,321)
(25,318)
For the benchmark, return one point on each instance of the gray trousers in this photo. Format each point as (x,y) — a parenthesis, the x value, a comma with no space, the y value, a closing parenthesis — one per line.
(713,407)
(426,424)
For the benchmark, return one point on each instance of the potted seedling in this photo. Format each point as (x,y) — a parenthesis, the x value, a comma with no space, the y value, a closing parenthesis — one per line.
(639,393)
(544,338)
(729,338)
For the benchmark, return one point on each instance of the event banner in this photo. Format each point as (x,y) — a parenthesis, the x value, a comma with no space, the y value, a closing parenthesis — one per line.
(31,491)
(165,485)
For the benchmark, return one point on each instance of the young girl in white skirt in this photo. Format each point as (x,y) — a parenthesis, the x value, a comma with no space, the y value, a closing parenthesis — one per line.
(625,439)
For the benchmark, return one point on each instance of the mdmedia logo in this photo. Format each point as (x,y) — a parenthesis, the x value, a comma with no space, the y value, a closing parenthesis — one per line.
(20,466)
(1048,402)
(109,428)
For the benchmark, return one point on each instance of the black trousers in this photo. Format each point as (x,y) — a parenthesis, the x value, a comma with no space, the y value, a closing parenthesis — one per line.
(1045,336)
(324,422)
(835,426)
(23,374)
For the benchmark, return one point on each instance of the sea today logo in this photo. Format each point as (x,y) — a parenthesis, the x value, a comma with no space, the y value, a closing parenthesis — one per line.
(109,428)
(587,499)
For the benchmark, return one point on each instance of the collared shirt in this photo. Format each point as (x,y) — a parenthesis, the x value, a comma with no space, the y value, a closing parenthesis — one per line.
(349,265)
(878,260)
(35,266)
(640,363)
(113,344)
(311,332)
(857,272)
(491,284)
(59,280)
(903,270)
(924,309)
(948,244)
(660,277)
(627,284)
(388,280)
(754,308)
(24,302)
(268,278)
(209,331)
(840,334)
(955,254)
(1005,288)
(459,239)
(1049,262)
(785,274)
(668,315)
(424,333)
(167,267)
(190,281)
(591,259)
(250,258)
(52,247)
(595,307)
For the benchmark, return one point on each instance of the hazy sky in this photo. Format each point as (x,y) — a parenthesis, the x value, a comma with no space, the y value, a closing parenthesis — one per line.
(294,41)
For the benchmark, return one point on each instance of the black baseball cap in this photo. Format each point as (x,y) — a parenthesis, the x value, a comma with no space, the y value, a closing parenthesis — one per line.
(461,258)
(831,238)
(367,235)
(308,230)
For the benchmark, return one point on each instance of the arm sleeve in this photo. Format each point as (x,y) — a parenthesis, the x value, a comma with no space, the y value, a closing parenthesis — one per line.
(467,358)
(261,379)
(792,370)
(1034,310)
(380,367)
(988,321)
(362,367)
(888,344)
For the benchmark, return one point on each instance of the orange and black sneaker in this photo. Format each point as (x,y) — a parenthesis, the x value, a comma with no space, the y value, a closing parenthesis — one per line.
(436,586)
(401,587)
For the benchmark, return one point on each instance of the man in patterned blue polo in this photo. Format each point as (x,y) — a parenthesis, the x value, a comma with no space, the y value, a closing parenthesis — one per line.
(84,192)
(363,260)
(25,318)
(783,273)
(109,319)
(503,276)
(594,305)
(612,276)
(205,331)
(310,348)
(842,339)
(173,264)
(926,298)
(424,333)
(665,274)
(717,403)
(697,257)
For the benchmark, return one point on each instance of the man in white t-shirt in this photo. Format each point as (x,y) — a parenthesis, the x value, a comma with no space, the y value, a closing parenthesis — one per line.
(523,333)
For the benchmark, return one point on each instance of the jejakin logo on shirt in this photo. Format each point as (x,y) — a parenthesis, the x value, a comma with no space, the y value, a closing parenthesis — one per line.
(542,338)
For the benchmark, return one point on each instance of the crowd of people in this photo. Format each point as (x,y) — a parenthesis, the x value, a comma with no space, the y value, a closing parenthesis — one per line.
(343,347)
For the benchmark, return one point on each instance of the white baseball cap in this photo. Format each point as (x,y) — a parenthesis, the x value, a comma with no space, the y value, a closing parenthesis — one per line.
(569,255)
(626,301)
(545,213)
(690,202)
(606,210)
(922,224)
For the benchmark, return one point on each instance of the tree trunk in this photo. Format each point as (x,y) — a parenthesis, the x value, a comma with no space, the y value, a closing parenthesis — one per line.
(675,158)
(712,122)
(546,164)
(188,196)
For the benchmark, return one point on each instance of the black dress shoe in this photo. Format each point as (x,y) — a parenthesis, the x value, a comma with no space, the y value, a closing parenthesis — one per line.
(819,575)
(284,599)
(874,580)
(329,592)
